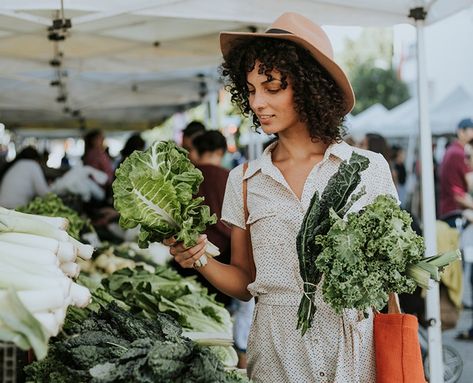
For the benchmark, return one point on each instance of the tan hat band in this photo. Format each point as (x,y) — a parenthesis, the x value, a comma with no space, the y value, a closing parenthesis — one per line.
(276,30)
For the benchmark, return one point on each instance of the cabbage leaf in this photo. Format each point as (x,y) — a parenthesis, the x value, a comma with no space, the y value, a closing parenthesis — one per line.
(155,189)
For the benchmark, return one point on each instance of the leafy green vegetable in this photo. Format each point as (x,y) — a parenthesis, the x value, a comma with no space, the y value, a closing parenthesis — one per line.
(52,206)
(166,291)
(317,222)
(154,189)
(227,355)
(371,254)
(114,345)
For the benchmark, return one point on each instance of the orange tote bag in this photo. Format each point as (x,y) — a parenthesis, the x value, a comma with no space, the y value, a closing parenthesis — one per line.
(397,348)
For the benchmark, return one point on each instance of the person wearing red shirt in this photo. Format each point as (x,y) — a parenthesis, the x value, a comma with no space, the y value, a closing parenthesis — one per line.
(454,197)
(210,147)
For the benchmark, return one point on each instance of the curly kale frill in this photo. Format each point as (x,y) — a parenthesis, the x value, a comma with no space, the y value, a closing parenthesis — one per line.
(367,256)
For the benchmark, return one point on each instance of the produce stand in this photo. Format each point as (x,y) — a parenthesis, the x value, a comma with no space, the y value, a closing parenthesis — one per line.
(128,285)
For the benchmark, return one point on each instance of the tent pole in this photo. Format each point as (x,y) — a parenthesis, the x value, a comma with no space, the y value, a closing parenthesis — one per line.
(428,203)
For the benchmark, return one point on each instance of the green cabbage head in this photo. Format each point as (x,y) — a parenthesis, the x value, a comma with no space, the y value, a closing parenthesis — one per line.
(154,189)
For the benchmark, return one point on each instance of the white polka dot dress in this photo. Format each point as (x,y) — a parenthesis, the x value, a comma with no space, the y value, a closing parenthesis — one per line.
(337,348)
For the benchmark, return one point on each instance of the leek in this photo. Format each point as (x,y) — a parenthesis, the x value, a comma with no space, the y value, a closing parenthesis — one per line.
(57,222)
(83,251)
(27,254)
(20,224)
(39,300)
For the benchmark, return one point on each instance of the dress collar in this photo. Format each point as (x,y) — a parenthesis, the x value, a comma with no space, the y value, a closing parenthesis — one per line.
(340,150)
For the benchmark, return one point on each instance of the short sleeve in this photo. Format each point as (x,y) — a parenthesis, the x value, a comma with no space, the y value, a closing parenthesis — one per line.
(457,175)
(232,209)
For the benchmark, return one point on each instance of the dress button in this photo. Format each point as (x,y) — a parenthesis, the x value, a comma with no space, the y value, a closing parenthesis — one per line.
(321,373)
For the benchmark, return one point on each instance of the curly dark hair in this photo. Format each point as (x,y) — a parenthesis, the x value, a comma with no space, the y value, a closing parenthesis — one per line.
(318,99)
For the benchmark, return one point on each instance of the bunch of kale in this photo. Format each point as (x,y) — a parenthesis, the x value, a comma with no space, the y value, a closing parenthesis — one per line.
(368,255)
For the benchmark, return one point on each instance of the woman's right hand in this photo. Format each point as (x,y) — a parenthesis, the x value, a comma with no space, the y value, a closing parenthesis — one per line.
(186,257)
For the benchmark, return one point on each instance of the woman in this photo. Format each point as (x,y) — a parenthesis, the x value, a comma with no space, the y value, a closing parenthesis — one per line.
(22,179)
(287,79)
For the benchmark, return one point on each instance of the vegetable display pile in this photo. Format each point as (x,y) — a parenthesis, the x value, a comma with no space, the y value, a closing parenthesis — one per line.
(114,345)
(165,291)
(374,252)
(362,257)
(37,264)
(52,206)
(154,189)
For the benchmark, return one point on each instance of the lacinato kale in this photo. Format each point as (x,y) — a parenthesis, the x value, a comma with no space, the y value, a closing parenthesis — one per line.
(317,222)
(114,345)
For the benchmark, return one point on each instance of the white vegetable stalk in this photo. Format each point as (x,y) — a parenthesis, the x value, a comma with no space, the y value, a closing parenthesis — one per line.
(49,322)
(14,251)
(31,240)
(64,251)
(22,269)
(71,269)
(14,278)
(83,251)
(39,300)
(211,250)
(80,295)
(60,315)
(57,222)
(37,262)
(10,223)
(209,338)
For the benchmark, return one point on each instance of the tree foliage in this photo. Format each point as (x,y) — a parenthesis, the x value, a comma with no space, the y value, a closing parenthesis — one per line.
(377,85)
(368,59)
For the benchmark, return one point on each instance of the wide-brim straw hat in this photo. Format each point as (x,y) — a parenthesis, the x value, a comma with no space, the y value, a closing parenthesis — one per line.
(302,31)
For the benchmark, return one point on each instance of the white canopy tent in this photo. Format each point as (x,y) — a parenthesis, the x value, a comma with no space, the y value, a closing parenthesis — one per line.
(137,61)
(369,116)
(163,53)
(368,121)
(453,108)
(403,120)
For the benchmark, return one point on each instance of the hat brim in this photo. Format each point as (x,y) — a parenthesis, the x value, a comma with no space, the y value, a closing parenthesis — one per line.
(229,39)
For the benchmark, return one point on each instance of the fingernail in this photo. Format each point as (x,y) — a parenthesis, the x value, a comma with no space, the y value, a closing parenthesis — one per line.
(204,236)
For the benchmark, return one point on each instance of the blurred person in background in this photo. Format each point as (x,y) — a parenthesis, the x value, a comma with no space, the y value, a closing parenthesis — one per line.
(107,214)
(95,154)
(134,142)
(399,172)
(210,147)
(377,143)
(454,197)
(22,179)
(191,131)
